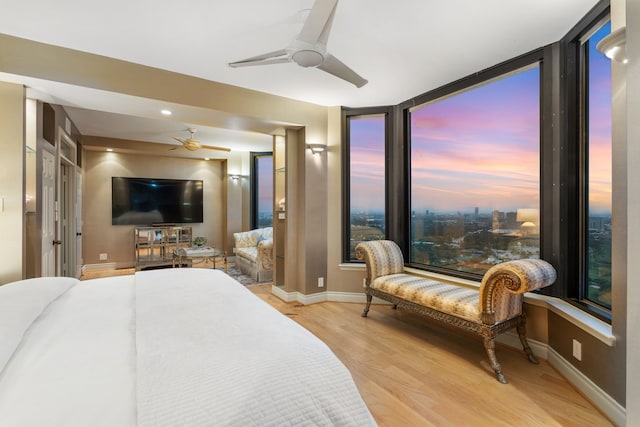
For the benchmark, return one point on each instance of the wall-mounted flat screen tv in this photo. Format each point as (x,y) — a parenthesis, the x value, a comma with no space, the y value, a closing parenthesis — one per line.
(147,201)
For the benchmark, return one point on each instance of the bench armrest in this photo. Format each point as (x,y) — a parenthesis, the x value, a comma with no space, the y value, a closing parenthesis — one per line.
(504,284)
(382,257)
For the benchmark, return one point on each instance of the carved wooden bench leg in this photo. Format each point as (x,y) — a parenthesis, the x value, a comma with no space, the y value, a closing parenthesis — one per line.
(522,334)
(366,308)
(490,346)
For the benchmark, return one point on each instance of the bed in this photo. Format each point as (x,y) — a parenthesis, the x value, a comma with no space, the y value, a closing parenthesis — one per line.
(163,347)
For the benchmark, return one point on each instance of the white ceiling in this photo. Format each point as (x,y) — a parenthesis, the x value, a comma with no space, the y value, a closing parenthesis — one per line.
(404,48)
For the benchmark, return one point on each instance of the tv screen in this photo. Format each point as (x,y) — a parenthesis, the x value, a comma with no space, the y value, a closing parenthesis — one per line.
(146,201)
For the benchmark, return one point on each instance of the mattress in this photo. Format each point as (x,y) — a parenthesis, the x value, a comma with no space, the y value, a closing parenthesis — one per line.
(167,347)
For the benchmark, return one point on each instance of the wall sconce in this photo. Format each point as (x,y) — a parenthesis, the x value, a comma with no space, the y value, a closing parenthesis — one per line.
(614,46)
(234,177)
(317,148)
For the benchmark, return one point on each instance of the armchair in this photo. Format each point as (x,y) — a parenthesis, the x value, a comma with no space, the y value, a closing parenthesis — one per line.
(254,253)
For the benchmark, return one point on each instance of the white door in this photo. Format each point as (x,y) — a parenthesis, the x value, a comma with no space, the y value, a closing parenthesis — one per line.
(48,214)
(79,260)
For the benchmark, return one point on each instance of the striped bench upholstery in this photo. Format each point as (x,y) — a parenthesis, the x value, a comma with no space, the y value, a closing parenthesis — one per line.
(492,308)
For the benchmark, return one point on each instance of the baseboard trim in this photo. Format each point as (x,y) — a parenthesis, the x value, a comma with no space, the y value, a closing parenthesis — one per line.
(511,339)
(102,266)
(605,403)
(612,409)
(106,266)
(352,297)
(298,296)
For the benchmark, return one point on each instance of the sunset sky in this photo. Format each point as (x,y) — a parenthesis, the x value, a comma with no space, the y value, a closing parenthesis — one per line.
(265,184)
(600,162)
(479,148)
(367,164)
(482,147)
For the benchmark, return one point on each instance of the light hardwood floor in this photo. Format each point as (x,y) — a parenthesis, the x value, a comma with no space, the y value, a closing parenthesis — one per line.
(411,372)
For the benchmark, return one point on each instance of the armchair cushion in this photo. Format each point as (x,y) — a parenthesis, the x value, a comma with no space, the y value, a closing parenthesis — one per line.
(254,253)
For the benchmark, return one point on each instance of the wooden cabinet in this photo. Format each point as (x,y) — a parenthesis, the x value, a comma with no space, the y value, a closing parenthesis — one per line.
(154,246)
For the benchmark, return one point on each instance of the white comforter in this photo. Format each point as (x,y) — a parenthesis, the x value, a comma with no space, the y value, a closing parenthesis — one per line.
(173,347)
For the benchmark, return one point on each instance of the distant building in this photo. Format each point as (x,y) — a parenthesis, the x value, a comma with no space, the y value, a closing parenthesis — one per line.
(363,233)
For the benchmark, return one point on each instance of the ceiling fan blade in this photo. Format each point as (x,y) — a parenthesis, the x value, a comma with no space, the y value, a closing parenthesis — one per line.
(211,147)
(190,144)
(318,25)
(334,66)
(274,57)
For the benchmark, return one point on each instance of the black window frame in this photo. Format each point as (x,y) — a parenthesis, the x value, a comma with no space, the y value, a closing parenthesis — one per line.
(576,71)
(254,220)
(537,56)
(347,115)
(562,169)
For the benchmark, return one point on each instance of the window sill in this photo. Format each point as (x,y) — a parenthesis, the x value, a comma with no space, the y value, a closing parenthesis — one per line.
(588,323)
(352,266)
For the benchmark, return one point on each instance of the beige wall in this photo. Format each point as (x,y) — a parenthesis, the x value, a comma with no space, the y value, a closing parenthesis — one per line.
(12,179)
(99,236)
(226,106)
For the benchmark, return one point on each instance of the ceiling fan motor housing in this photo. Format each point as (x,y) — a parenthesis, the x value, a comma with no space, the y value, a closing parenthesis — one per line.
(307,58)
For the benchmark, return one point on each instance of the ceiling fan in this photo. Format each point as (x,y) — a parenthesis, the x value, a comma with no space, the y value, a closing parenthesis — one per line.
(309,48)
(193,144)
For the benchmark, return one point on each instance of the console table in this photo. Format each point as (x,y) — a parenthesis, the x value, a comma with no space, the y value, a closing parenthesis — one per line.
(154,246)
(206,253)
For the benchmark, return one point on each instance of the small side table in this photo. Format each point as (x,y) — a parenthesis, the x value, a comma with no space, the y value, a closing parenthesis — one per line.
(206,253)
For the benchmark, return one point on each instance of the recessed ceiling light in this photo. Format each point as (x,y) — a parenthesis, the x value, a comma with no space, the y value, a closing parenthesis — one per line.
(109,149)
(166,112)
(207,158)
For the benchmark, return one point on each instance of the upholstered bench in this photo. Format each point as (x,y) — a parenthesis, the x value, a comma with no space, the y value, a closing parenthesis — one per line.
(493,308)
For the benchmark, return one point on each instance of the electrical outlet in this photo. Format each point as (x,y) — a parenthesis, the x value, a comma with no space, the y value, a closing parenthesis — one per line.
(321,282)
(577,349)
(103,257)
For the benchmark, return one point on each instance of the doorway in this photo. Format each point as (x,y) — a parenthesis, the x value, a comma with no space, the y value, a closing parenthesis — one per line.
(48,192)
(66,214)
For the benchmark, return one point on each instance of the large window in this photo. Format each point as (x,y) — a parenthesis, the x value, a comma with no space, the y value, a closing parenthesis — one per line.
(262,190)
(597,144)
(366,159)
(475,175)
(510,162)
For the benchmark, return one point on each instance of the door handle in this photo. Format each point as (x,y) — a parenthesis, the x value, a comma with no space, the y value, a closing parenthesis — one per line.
(57,242)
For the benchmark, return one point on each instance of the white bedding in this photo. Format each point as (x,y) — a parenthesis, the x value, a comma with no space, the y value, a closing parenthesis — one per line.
(173,347)
(76,364)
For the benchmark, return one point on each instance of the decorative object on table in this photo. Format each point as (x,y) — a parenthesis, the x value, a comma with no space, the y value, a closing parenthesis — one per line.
(199,241)
(199,254)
